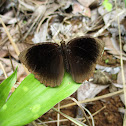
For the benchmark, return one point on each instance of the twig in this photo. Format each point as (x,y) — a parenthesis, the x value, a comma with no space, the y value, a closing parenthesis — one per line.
(34,123)
(19,29)
(96,113)
(70,118)
(80,106)
(1,65)
(58,115)
(39,17)
(94,99)
(10,38)
(41,122)
(38,27)
(93,124)
(108,24)
(3,41)
(63,120)
(121,62)
(13,43)
(10,59)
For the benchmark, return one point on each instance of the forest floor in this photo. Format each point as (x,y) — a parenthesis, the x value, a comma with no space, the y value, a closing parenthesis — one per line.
(30,22)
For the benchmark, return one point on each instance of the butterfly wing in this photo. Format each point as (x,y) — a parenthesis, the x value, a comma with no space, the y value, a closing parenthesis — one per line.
(83,54)
(45,62)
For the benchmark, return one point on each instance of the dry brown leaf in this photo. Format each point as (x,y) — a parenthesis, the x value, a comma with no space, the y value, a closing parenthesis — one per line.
(3,53)
(113,47)
(41,35)
(89,90)
(101,78)
(7,17)
(78,8)
(119,77)
(8,67)
(22,46)
(21,78)
(2,78)
(11,51)
(86,3)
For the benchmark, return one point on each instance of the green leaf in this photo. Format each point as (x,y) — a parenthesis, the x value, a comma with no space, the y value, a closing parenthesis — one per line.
(24,22)
(125,2)
(107,61)
(32,99)
(107,5)
(6,86)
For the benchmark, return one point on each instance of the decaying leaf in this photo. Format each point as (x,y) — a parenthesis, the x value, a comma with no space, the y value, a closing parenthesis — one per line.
(113,47)
(89,90)
(86,3)
(119,77)
(8,67)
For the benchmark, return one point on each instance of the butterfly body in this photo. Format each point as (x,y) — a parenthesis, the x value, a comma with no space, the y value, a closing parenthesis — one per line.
(65,52)
(47,61)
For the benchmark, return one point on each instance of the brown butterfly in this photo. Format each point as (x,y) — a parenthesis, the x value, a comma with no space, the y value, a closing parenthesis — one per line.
(47,61)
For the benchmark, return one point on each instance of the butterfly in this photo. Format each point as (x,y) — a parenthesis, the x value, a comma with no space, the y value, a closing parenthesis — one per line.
(48,61)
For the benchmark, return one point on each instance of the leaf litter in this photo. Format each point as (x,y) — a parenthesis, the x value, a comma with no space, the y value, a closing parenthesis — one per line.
(32,22)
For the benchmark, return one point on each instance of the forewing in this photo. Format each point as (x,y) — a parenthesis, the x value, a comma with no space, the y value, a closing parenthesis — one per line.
(83,54)
(45,62)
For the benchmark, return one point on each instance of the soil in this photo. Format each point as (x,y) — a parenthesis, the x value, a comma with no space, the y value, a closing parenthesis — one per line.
(110,116)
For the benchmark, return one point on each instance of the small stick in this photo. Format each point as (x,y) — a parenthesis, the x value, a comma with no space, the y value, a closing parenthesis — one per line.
(66,116)
(13,43)
(2,67)
(121,62)
(64,120)
(10,38)
(80,106)
(94,99)
(10,59)
(108,24)
(58,115)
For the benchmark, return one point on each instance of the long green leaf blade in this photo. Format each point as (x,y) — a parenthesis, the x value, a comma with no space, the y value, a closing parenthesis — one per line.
(6,86)
(32,99)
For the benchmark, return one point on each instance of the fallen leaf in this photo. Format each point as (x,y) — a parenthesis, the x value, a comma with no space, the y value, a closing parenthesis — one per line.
(113,47)
(7,17)
(15,64)
(41,35)
(86,3)
(111,70)
(101,78)
(3,53)
(119,77)
(78,8)
(89,90)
